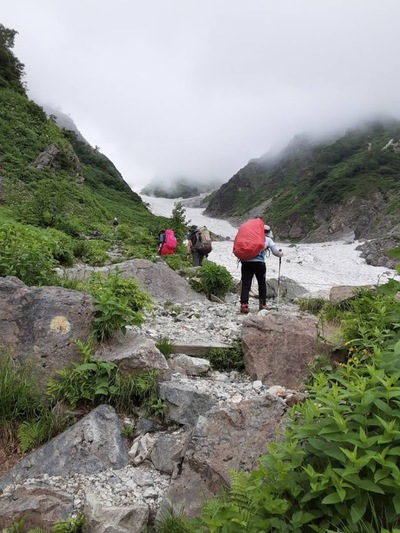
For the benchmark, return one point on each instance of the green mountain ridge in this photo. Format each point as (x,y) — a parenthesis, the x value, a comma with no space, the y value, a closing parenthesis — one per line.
(321,190)
(52,179)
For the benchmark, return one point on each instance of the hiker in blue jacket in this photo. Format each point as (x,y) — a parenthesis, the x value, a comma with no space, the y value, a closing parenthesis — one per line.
(256,267)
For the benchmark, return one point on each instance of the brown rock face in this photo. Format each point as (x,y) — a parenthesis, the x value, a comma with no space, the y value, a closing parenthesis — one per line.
(277,348)
(228,437)
(37,506)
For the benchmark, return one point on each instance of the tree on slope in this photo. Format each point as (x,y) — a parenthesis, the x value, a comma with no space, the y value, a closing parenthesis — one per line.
(11,69)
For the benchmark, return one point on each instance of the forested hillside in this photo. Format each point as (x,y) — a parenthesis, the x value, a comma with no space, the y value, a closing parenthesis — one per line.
(322,190)
(56,191)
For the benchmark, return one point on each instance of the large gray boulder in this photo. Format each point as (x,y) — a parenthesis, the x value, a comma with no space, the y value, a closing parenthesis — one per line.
(133,353)
(158,279)
(41,324)
(185,403)
(90,446)
(104,519)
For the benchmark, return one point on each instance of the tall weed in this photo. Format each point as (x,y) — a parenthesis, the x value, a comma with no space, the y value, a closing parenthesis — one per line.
(118,303)
(20,396)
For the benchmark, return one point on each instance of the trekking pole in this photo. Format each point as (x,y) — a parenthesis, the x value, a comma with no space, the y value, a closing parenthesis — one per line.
(279,284)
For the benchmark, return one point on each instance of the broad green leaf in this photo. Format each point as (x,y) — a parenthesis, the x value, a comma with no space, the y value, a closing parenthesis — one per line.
(396,502)
(331,498)
(358,509)
(370,486)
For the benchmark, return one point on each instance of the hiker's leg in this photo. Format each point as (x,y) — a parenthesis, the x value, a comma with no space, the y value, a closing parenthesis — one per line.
(201,257)
(196,259)
(260,271)
(247,276)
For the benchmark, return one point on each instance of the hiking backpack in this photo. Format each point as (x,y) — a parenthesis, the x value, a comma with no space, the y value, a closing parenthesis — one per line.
(170,243)
(203,244)
(249,240)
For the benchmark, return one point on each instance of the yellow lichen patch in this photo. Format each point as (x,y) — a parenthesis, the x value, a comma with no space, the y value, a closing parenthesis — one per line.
(60,324)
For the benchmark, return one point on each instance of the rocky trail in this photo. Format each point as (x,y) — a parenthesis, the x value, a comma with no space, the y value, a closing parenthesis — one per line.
(154,467)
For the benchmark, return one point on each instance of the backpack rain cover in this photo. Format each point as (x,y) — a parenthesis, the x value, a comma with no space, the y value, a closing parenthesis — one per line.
(170,243)
(249,240)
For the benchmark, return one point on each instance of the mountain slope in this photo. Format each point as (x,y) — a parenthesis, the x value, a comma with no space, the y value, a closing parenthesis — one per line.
(57,190)
(320,191)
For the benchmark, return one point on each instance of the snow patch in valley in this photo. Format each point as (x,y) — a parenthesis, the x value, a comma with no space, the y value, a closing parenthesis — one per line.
(315,266)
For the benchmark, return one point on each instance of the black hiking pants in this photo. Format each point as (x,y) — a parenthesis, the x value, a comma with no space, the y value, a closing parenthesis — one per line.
(250,269)
(197,258)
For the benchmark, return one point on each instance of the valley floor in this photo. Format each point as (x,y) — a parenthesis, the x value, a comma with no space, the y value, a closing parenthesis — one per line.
(315,266)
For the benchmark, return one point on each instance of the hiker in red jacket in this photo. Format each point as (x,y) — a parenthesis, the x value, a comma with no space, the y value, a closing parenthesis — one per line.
(256,267)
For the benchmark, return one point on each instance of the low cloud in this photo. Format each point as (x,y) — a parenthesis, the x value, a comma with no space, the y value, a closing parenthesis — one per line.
(196,89)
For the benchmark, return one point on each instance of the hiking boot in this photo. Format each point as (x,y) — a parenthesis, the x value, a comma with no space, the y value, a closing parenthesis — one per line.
(244,308)
(262,306)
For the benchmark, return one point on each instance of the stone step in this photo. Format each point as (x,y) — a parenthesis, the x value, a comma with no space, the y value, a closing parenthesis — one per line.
(198,349)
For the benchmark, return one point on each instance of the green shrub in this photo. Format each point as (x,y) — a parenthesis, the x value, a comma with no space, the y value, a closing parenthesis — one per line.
(24,253)
(118,303)
(176,261)
(90,382)
(339,454)
(70,525)
(60,245)
(311,305)
(155,408)
(372,319)
(24,410)
(92,252)
(212,279)
(93,382)
(172,308)
(128,431)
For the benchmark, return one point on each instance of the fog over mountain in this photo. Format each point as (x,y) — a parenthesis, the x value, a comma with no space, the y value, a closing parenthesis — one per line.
(197,89)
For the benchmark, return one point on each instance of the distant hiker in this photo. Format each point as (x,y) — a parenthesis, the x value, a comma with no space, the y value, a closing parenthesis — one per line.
(254,238)
(115,222)
(167,242)
(199,244)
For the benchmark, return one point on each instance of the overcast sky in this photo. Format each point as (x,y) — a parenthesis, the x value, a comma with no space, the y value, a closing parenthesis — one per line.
(196,88)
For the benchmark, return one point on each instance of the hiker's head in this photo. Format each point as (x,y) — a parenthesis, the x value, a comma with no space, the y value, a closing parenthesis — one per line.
(268,231)
(161,231)
(194,227)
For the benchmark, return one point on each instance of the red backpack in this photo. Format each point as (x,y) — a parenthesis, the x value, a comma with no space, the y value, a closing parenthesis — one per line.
(249,240)
(170,243)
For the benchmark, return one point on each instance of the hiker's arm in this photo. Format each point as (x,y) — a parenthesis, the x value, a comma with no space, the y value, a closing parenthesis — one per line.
(273,247)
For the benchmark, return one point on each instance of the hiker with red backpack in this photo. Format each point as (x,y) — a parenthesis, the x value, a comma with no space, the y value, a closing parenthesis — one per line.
(167,242)
(250,246)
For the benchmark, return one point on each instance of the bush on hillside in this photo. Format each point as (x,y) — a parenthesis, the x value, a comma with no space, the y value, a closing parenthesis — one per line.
(31,254)
(212,279)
